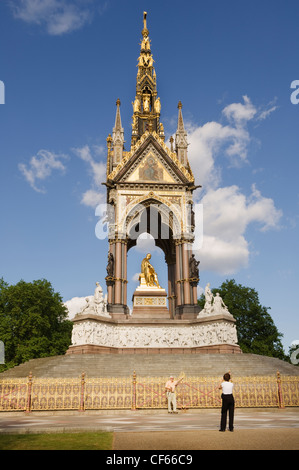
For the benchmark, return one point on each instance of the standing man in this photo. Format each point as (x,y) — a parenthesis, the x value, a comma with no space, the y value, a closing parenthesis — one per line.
(228,403)
(171,393)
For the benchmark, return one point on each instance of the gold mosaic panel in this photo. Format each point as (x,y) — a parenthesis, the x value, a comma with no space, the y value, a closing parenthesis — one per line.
(13,394)
(108,393)
(55,394)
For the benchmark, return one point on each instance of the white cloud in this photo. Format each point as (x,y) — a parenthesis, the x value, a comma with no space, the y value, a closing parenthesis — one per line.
(227,211)
(207,142)
(240,113)
(262,210)
(41,167)
(92,198)
(267,112)
(45,162)
(224,257)
(97,170)
(227,214)
(56,16)
(213,139)
(269,108)
(75,305)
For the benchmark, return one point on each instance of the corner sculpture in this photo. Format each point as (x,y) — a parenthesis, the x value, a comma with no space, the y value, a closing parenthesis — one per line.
(214,305)
(96,304)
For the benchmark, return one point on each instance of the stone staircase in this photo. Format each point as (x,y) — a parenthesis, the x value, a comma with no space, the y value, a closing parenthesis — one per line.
(123,365)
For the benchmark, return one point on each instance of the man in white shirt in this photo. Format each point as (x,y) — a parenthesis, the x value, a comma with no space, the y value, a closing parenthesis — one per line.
(228,403)
(170,393)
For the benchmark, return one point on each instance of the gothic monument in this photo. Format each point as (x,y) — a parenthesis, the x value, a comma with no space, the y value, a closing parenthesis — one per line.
(149,189)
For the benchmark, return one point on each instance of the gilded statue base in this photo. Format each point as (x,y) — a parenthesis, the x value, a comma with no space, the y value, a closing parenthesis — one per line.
(150,302)
(149,299)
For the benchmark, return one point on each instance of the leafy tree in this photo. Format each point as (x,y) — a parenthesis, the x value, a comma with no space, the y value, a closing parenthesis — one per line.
(33,322)
(257,333)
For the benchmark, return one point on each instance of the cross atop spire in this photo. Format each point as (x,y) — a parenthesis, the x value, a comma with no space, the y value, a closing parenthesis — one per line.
(145,30)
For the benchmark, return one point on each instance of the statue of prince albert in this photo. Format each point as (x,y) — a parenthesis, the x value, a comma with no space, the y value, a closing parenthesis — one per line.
(150,275)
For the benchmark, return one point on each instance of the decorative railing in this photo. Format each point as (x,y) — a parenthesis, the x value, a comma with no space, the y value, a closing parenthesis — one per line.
(106,393)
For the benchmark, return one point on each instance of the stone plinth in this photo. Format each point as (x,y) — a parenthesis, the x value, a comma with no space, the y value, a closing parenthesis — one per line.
(150,302)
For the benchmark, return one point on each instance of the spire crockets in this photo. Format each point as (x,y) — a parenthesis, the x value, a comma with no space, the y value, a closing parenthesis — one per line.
(181,143)
(147,106)
(117,137)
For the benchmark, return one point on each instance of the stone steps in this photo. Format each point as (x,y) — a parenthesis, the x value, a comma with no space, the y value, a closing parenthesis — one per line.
(123,365)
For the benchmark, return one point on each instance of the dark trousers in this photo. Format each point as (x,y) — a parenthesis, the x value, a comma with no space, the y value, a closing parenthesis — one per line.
(228,404)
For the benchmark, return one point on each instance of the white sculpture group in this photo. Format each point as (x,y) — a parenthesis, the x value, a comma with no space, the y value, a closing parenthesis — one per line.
(96,305)
(214,305)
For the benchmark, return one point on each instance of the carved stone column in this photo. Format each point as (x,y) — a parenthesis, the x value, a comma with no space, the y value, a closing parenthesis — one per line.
(118,272)
(178,274)
(186,306)
(185,256)
(110,278)
(117,284)
(124,273)
(171,289)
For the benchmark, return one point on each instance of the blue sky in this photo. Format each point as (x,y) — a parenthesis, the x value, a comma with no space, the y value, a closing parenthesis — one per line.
(231,64)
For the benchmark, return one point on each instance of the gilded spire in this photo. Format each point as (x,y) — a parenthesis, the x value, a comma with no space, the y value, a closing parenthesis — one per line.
(146,106)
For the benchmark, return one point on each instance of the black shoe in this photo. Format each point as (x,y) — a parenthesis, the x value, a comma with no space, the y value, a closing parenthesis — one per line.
(221,430)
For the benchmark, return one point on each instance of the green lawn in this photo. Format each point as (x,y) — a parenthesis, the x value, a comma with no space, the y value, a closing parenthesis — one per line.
(57,441)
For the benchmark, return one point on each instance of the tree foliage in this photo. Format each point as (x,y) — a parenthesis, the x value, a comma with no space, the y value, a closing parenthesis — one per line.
(257,333)
(33,322)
